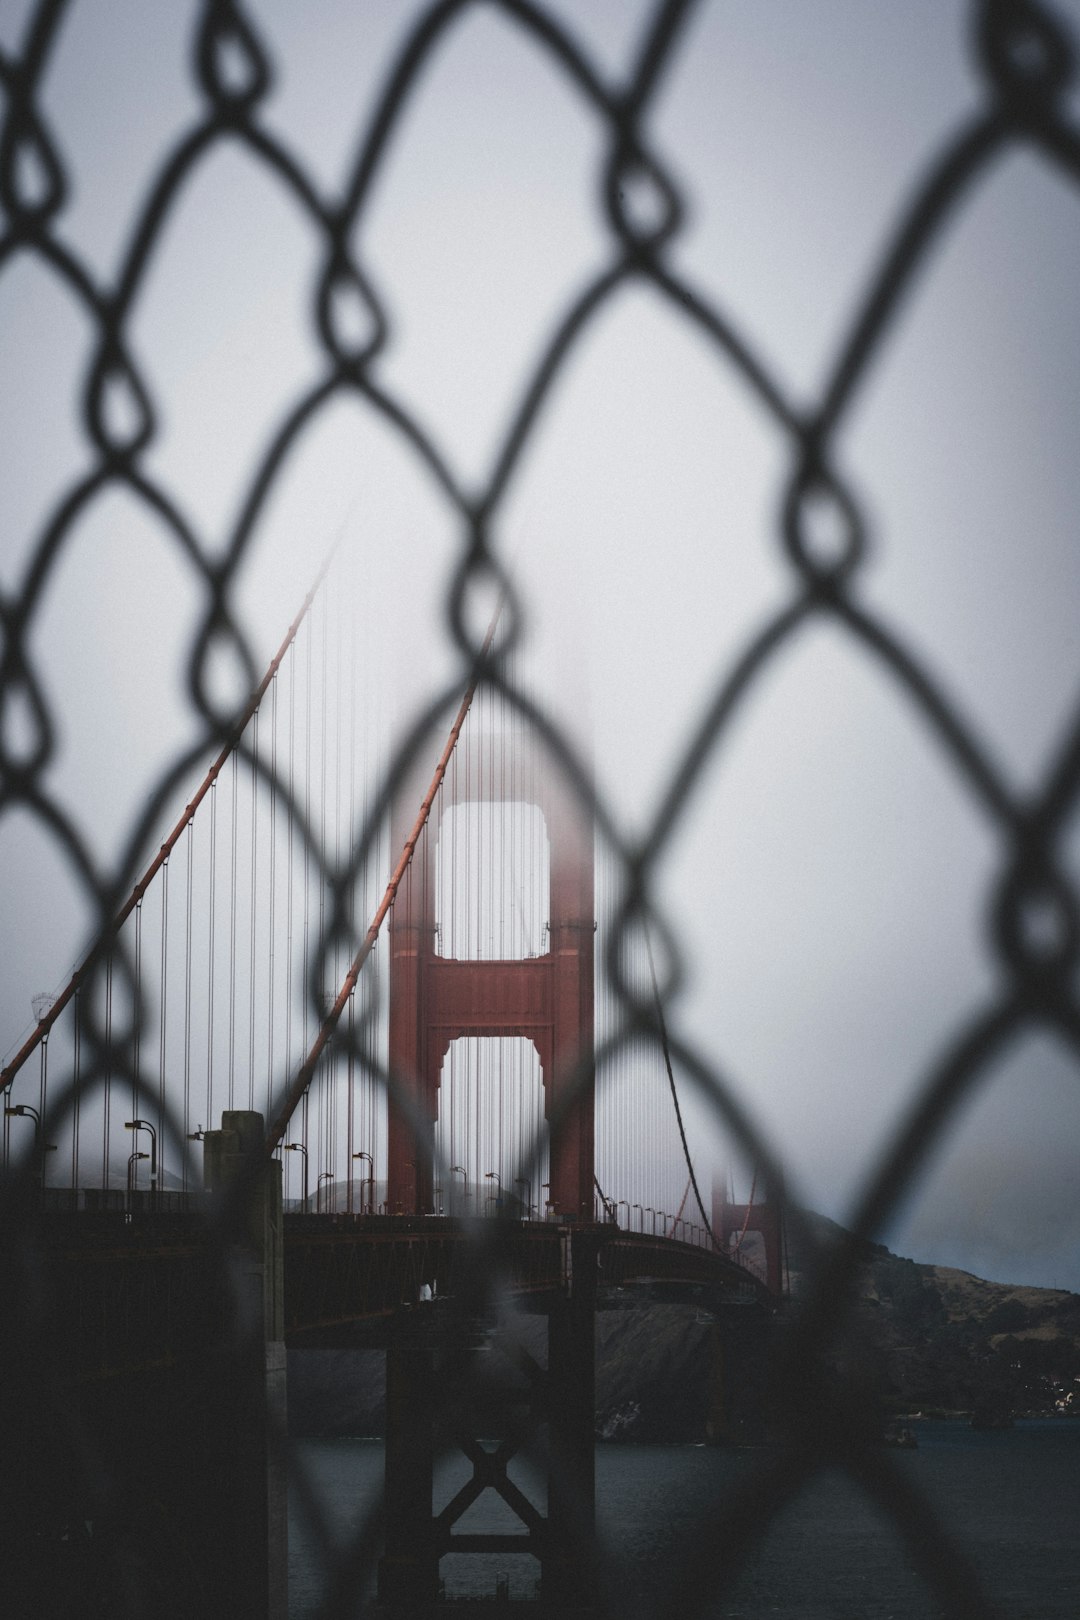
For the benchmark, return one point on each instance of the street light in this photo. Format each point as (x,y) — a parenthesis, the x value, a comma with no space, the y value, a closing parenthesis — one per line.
(493,1175)
(324,1175)
(24,1110)
(620,1203)
(460,1170)
(298,1147)
(523,1181)
(648,1210)
(145,1125)
(370,1183)
(133,1170)
(641,1222)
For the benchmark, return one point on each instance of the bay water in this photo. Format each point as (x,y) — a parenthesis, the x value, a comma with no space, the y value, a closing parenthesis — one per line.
(1010,1499)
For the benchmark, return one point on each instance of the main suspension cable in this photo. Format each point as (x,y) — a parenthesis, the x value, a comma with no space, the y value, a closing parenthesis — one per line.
(111,929)
(662,1025)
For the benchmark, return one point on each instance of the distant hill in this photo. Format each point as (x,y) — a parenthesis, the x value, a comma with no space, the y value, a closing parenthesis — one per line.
(948,1341)
(931,1339)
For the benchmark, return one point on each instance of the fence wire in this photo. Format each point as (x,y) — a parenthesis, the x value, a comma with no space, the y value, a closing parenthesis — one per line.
(1025,60)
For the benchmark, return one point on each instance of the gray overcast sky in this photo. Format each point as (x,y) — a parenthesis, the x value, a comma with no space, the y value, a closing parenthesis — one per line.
(831,881)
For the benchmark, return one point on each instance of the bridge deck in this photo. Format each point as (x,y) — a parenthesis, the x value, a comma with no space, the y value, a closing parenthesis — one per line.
(150,1289)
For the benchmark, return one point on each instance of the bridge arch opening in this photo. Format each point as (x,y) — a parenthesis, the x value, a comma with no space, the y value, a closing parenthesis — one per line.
(491,1136)
(492,882)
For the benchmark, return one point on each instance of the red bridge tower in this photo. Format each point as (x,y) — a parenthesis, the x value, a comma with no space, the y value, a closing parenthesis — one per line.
(547,999)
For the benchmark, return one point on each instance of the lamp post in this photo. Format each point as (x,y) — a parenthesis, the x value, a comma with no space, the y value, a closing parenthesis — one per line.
(370,1183)
(493,1175)
(24,1111)
(298,1147)
(324,1175)
(133,1171)
(145,1125)
(460,1170)
(621,1203)
(523,1181)
(648,1210)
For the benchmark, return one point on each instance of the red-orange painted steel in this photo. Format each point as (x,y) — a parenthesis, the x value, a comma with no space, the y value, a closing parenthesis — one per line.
(765,1218)
(546,999)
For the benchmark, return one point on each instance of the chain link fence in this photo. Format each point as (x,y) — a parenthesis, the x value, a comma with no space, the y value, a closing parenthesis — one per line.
(1025,58)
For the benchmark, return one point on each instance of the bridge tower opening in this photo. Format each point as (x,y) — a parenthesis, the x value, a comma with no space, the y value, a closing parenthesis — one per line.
(491,1136)
(530,832)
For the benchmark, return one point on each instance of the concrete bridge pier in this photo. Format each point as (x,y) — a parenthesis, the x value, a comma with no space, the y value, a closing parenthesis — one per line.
(409,1567)
(248,1489)
(571,1394)
(739,1342)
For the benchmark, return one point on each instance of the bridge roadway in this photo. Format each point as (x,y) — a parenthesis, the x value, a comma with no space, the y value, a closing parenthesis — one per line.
(150,1290)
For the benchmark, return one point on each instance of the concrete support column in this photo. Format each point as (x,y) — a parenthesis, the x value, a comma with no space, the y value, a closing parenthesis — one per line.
(567,1578)
(738,1378)
(249,1487)
(409,1569)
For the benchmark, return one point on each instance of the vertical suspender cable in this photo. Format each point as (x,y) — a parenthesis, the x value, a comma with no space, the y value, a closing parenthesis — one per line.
(271,926)
(103,944)
(338,663)
(189,841)
(253,907)
(321,1122)
(233,909)
(298,1090)
(350,807)
(305,953)
(43,1103)
(108,1066)
(350,1062)
(163,1005)
(76,1085)
(210,955)
(136,1026)
(290,877)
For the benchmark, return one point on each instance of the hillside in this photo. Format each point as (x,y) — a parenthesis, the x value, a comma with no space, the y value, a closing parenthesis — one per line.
(946,1340)
(930,1338)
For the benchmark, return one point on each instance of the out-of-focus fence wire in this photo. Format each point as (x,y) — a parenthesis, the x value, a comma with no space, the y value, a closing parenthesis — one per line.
(1026,61)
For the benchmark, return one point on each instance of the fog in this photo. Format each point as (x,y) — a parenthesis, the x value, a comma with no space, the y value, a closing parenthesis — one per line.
(830,878)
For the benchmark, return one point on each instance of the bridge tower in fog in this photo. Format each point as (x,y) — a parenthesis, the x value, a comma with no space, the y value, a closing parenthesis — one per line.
(546,998)
(763,1216)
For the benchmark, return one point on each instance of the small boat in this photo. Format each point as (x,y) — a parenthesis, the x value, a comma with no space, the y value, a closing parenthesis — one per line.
(900,1435)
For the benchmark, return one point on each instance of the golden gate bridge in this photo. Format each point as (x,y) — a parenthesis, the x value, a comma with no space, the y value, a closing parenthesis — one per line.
(380,1016)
